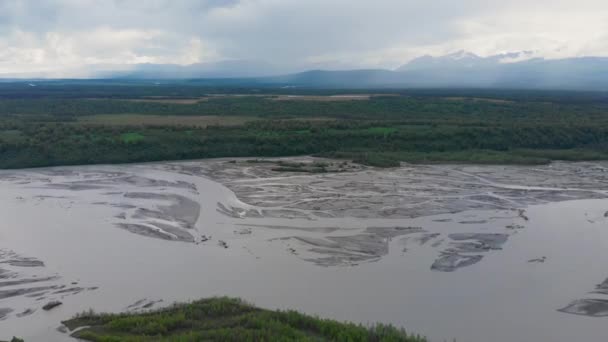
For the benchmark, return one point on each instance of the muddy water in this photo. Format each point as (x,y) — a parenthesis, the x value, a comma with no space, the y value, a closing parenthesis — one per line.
(466,253)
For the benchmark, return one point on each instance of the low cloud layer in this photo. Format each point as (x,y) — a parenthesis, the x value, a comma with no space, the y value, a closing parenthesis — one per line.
(70,37)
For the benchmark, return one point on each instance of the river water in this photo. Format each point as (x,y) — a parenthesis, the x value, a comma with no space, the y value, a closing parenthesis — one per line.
(473,254)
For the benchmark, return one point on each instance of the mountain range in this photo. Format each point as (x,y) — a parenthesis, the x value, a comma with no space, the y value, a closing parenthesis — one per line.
(460,69)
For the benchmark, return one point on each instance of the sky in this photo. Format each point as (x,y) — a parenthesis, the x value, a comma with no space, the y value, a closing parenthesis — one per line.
(73,37)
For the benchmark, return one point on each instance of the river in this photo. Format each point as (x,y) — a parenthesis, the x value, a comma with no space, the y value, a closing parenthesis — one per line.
(471,253)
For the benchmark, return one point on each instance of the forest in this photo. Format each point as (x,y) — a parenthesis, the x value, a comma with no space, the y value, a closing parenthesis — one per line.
(68,123)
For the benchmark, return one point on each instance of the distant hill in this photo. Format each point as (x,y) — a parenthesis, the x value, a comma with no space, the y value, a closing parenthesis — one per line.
(462,69)
(345,78)
(457,70)
(222,69)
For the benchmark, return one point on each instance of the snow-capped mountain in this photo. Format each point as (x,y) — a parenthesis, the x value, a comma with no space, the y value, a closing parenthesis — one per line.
(464,59)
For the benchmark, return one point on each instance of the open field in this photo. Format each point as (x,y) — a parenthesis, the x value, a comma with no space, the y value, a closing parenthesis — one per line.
(327,98)
(477,99)
(163,120)
(184,101)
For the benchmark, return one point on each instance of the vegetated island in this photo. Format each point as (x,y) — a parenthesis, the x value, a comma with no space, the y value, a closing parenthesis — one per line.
(224,319)
(71,123)
(15,339)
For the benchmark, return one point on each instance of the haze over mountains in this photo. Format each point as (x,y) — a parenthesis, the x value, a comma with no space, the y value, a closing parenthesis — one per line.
(460,69)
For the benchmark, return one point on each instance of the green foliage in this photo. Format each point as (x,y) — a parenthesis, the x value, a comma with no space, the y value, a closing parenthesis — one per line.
(384,131)
(131,137)
(226,319)
(428,126)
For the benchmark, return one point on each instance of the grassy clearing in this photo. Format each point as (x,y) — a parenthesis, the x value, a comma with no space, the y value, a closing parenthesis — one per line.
(382,130)
(130,138)
(331,98)
(478,99)
(183,101)
(159,100)
(163,120)
(12,136)
(225,319)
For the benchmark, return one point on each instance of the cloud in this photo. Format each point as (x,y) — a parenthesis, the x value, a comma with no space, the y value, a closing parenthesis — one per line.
(70,51)
(56,35)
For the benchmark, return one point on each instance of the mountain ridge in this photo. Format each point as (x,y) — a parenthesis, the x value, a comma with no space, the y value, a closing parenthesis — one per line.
(460,69)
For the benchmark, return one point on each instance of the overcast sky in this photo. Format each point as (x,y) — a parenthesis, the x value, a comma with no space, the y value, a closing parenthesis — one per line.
(66,35)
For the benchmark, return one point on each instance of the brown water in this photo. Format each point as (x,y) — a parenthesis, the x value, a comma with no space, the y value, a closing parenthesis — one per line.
(452,252)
